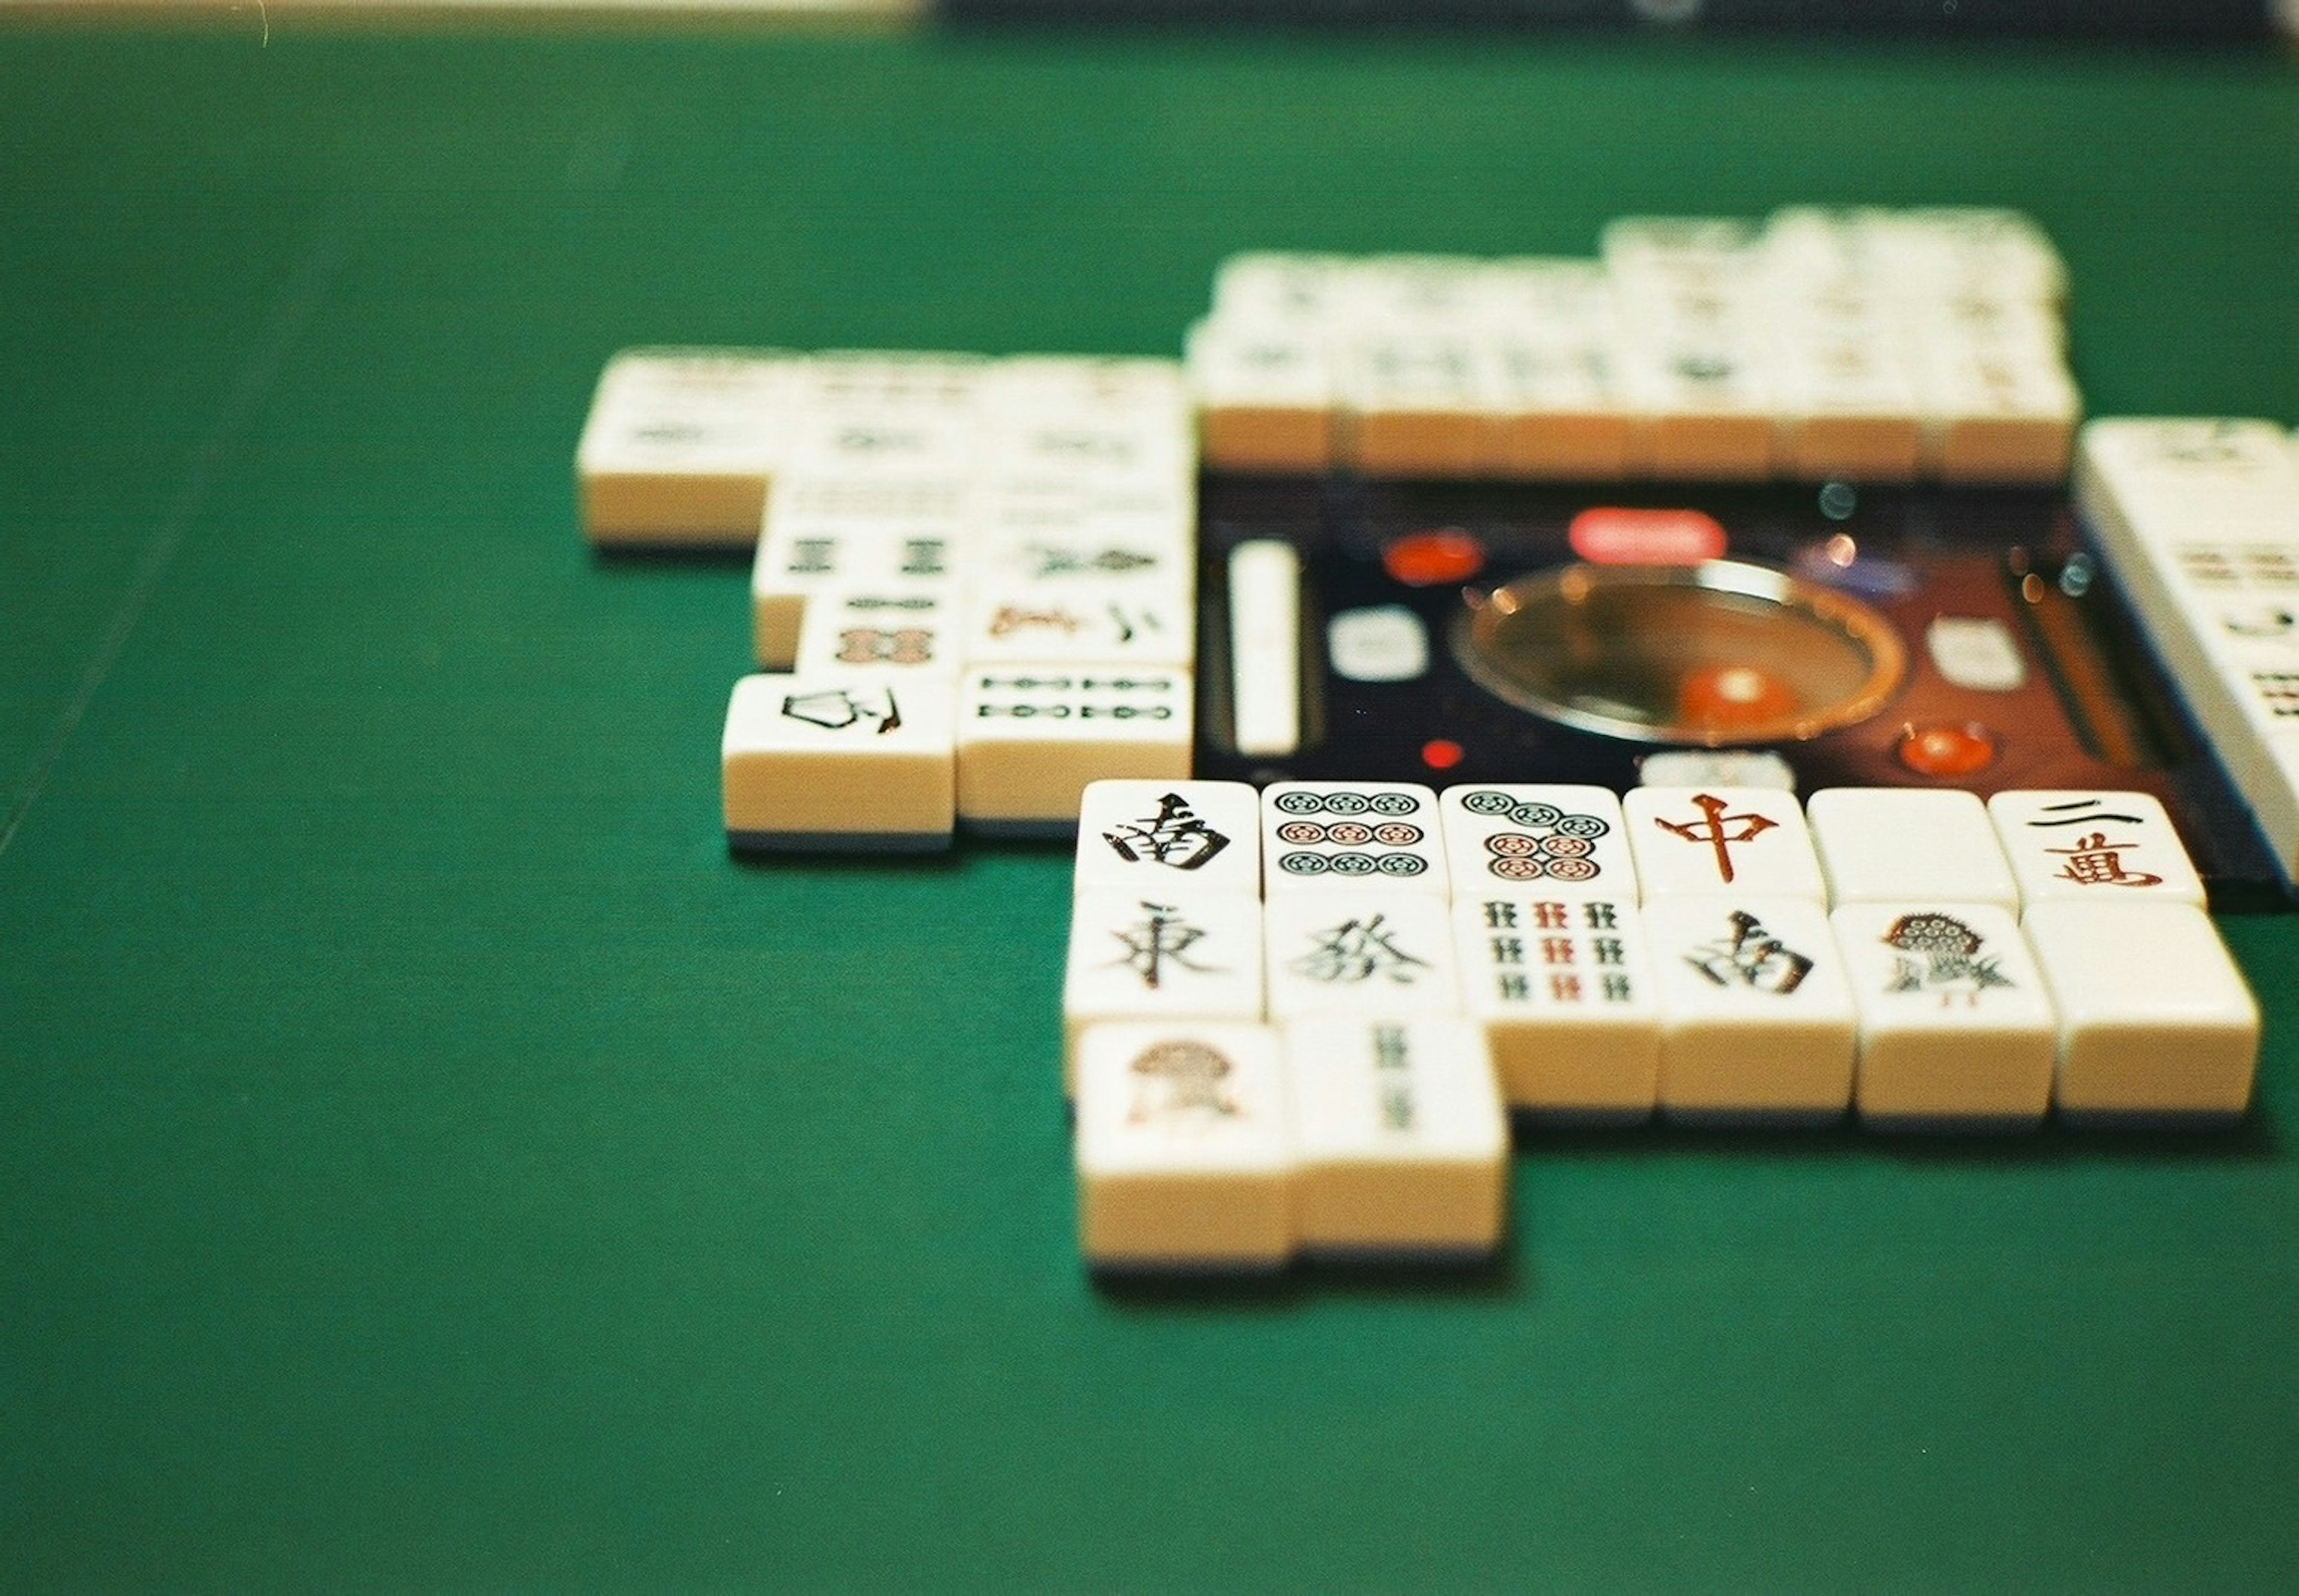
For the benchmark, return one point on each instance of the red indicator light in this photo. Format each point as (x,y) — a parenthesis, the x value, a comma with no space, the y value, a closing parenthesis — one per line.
(1433,559)
(1948,750)
(1441,754)
(1608,535)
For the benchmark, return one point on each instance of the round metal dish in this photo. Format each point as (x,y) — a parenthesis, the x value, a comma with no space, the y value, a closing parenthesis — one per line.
(1715,654)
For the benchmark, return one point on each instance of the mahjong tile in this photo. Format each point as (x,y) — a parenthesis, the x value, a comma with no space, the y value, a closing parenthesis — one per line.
(1401,1144)
(1184,1147)
(2093,847)
(1351,834)
(1378,951)
(1756,1019)
(1140,835)
(1564,990)
(1557,841)
(1725,840)
(1956,1027)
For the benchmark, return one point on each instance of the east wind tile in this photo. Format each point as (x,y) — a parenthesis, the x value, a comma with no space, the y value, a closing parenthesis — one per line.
(1173,952)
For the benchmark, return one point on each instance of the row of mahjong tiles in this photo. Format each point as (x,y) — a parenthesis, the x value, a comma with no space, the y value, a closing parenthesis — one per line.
(974,583)
(1267,1056)
(2201,515)
(1868,346)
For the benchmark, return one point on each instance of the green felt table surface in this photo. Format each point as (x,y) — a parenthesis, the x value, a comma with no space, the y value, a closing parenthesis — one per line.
(425,1161)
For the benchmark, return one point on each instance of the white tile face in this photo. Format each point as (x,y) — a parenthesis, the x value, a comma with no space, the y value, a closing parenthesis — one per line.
(1114,623)
(1184,1147)
(1887,844)
(1387,954)
(2154,1017)
(1181,953)
(893,441)
(1955,1022)
(795,561)
(1351,834)
(1152,836)
(1266,393)
(1111,449)
(1756,1019)
(1565,989)
(891,630)
(865,499)
(1030,742)
(1742,841)
(1399,1133)
(2093,848)
(1552,841)
(1105,555)
(679,443)
(2213,477)
(1090,387)
(838,763)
